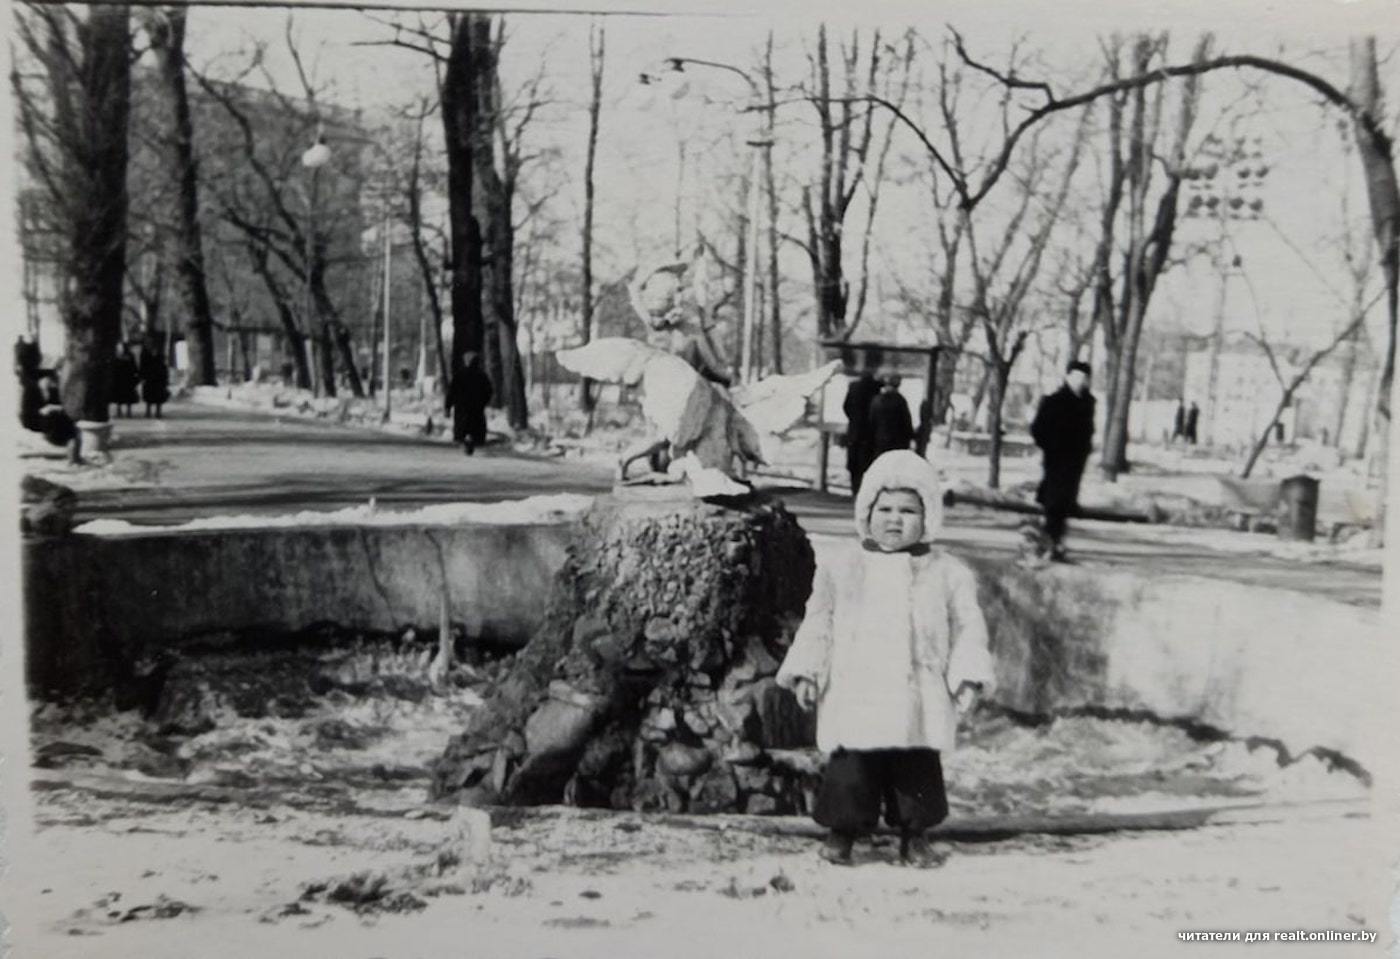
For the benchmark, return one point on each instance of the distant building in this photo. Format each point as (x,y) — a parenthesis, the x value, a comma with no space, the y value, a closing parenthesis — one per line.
(1247,392)
(248,332)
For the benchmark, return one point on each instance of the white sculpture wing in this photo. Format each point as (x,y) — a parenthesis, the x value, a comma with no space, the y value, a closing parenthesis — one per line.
(610,359)
(777,403)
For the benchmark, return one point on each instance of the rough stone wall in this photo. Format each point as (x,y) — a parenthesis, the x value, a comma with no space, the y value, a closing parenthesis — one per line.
(650,684)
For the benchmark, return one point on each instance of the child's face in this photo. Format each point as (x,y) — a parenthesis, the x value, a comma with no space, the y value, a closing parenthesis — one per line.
(897,519)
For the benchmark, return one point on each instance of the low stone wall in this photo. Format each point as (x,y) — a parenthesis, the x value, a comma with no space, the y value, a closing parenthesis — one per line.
(1301,671)
(1307,672)
(95,602)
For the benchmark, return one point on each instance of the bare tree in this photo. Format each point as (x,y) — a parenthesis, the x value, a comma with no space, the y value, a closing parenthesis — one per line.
(597,37)
(770,118)
(898,78)
(75,130)
(1289,385)
(413,190)
(1148,241)
(267,132)
(166,29)
(1378,164)
(1362,107)
(460,109)
(846,135)
(1004,275)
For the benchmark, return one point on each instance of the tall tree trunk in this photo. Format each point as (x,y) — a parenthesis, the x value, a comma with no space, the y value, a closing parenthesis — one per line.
(98,101)
(414,193)
(459,110)
(496,192)
(167,32)
(741,259)
(1378,164)
(595,103)
(296,339)
(999,372)
(1148,259)
(775,313)
(336,333)
(1344,387)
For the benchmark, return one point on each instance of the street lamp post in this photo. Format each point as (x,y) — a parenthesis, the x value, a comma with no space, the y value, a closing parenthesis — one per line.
(758,145)
(315,157)
(388,266)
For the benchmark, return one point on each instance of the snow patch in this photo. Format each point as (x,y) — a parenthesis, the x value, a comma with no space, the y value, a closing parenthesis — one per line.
(557,508)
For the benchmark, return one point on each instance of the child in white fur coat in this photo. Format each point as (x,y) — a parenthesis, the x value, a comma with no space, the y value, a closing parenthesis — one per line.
(892,649)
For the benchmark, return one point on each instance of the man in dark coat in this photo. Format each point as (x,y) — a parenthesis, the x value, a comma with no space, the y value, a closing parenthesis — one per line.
(1179,421)
(155,380)
(1063,428)
(856,406)
(125,377)
(467,396)
(891,425)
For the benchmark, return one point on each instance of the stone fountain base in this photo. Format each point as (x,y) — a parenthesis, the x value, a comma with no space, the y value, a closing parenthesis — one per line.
(650,685)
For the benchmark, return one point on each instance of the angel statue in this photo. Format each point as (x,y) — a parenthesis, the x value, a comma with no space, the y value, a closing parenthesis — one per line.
(677,300)
(710,437)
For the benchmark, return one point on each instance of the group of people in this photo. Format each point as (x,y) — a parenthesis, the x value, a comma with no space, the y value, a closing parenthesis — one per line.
(877,421)
(1186,423)
(146,379)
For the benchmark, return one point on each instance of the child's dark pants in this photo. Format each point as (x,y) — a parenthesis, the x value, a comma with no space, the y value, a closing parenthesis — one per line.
(908,783)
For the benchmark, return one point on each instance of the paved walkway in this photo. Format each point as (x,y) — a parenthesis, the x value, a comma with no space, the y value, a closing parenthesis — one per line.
(202,461)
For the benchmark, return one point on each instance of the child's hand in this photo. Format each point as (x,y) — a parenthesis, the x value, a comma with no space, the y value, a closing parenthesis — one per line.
(806,692)
(966,697)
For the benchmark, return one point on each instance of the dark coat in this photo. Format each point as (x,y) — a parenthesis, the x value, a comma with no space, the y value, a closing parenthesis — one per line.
(56,425)
(125,377)
(891,425)
(856,406)
(1063,428)
(31,401)
(155,378)
(467,396)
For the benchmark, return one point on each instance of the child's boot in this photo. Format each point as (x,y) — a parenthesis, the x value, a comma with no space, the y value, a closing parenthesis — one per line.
(916,851)
(837,848)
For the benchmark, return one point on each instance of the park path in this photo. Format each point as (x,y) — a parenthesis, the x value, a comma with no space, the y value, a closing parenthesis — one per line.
(204,461)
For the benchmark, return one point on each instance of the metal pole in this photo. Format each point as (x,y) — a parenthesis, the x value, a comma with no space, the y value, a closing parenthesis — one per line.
(388,382)
(750,272)
(311,339)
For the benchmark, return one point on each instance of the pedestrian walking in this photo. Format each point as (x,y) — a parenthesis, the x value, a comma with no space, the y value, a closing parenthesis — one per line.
(1179,421)
(155,380)
(125,378)
(891,426)
(891,650)
(856,406)
(1063,428)
(467,396)
(1193,419)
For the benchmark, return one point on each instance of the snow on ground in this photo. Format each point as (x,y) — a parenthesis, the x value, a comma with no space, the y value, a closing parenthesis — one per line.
(296,826)
(555,508)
